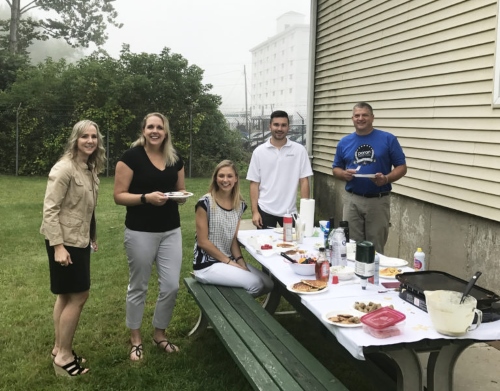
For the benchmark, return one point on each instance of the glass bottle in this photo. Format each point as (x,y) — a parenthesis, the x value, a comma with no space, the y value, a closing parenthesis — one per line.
(345,224)
(364,265)
(338,254)
(322,268)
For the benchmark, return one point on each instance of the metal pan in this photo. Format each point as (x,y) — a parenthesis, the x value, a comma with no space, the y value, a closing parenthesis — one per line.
(431,280)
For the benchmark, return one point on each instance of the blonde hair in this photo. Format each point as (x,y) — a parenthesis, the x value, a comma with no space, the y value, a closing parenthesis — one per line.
(167,148)
(236,197)
(98,157)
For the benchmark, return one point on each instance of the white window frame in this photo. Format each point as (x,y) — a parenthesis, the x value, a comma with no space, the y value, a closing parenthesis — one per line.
(496,76)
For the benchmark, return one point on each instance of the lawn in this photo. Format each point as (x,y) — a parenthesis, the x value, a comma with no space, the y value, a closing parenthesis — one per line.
(26,331)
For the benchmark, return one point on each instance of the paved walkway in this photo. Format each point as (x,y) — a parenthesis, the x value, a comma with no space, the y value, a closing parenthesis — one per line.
(478,367)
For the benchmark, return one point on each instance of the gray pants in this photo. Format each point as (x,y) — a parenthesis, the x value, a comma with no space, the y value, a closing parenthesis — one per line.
(255,282)
(143,249)
(369,219)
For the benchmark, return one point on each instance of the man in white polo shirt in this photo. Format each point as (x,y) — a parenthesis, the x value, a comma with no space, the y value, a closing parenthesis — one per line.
(277,167)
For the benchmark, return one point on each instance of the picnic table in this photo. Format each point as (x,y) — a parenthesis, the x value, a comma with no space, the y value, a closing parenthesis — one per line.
(367,352)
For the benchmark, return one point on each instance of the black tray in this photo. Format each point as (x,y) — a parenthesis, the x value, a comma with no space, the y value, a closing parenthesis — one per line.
(413,285)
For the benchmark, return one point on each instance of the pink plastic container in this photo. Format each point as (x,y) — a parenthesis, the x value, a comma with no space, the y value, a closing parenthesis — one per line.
(383,323)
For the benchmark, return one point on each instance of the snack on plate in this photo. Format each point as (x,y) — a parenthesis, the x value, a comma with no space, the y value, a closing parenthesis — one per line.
(309,286)
(345,319)
(390,272)
(301,287)
(317,284)
(366,308)
(285,245)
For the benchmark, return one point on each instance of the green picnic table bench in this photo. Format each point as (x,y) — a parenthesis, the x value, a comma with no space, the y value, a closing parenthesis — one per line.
(267,354)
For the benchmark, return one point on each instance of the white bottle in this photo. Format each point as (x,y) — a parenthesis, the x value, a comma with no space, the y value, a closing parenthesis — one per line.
(376,263)
(419,260)
(287,228)
(338,255)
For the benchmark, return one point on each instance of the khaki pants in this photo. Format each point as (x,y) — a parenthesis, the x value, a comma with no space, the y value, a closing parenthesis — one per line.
(369,218)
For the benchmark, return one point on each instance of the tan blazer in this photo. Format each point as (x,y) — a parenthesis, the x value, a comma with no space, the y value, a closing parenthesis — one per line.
(70,200)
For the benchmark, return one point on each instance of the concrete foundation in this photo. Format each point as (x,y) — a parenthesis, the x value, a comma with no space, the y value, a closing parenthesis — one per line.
(453,242)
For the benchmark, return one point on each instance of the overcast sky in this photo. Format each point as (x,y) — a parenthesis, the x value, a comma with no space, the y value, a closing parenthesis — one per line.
(216,35)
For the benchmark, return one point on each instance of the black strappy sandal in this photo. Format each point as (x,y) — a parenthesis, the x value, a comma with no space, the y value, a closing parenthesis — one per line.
(137,349)
(80,360)
(70,370)
(173,348)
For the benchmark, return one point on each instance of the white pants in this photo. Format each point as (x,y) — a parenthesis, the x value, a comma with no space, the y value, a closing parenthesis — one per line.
(143,249)
(255,281)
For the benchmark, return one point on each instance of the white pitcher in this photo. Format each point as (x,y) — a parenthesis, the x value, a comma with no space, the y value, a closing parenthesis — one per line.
(448,316)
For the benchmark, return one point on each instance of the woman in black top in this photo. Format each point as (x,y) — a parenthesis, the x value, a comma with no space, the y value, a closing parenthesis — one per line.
(143,175)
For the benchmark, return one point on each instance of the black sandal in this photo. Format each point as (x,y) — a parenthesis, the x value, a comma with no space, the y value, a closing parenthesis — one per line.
(173,348)
(80,360)
(71,369)
(137,349)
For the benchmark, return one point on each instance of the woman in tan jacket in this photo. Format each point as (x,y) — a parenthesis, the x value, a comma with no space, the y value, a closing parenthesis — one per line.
(69,229)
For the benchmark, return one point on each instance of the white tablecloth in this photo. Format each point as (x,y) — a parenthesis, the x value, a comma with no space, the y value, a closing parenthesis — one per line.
(417,325)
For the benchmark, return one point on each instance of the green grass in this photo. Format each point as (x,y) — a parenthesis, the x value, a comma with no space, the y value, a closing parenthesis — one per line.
(26,331)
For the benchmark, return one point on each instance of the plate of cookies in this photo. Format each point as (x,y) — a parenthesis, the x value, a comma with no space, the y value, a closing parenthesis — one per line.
(343,318)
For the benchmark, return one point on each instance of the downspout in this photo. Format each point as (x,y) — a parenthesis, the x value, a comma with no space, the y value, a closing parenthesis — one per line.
(311,85)
(312,67)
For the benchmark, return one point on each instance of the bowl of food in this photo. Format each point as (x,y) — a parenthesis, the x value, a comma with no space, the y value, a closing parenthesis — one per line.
(303,265)
(304,269)
(342,272)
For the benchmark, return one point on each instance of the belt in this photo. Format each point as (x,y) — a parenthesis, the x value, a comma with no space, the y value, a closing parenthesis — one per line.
(371,195)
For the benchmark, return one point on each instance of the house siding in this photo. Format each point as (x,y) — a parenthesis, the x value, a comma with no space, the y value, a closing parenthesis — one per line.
(427,68)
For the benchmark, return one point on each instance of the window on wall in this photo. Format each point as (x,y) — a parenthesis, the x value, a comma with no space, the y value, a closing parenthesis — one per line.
(496,77)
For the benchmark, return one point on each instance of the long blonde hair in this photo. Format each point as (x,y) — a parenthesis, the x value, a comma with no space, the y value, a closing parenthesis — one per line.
(167,147)
(236,197)
(98,157)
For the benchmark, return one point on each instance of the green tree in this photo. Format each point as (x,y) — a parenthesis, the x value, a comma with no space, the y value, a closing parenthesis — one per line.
(78,22)
(116,93)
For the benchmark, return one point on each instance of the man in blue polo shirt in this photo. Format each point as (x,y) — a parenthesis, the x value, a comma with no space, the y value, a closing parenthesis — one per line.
(276,169)
(369,160)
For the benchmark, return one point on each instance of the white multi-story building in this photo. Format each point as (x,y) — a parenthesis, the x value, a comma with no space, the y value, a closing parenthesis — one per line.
(280,69)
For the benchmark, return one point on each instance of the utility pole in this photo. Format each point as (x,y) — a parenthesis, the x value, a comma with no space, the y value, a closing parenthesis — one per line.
(190,138)
(107,151)
(246,105)
(17,139)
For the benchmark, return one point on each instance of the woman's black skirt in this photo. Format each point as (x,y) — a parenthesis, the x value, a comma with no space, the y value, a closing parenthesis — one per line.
(73,278)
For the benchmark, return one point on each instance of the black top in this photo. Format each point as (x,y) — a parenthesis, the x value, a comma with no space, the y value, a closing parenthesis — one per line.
(146,179)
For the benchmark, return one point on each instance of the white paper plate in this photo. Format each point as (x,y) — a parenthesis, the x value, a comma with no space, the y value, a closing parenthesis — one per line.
(366,302)
(289,246)
(364,175)
(388,277)
(279,230)
(391,262)
(178,195)
(317,245)
(329,314)
(266,253)
(289,287)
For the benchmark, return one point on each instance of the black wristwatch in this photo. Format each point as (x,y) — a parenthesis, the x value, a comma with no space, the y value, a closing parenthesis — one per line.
(143,199)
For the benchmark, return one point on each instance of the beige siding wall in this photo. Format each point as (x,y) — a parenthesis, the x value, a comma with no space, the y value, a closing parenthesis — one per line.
(427,69)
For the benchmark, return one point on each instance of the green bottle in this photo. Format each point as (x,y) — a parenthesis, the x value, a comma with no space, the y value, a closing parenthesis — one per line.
(365,258)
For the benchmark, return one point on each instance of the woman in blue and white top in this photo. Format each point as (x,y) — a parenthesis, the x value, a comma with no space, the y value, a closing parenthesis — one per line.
(217,254)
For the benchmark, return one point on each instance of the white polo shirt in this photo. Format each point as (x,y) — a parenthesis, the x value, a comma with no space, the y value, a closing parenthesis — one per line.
(278,172)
